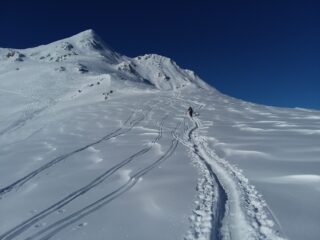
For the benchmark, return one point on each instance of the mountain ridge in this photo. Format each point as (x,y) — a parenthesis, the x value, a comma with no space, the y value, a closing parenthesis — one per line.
(87,48)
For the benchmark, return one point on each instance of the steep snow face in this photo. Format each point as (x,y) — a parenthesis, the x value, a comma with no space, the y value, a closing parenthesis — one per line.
(160,72)
(95,145)
(164,73)
(86,43)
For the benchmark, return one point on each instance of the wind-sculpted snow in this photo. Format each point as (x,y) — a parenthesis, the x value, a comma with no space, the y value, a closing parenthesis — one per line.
(131,123)
(56,227)
(96,145)
(58,205)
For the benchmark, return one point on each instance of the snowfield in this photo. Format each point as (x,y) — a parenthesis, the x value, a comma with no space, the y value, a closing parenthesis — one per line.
(96,145)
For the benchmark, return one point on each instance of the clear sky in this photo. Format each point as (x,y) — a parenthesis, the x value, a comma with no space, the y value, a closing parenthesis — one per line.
(262,51)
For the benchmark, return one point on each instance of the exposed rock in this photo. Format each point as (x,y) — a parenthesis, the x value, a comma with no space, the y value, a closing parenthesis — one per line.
(15,55)
(82,68)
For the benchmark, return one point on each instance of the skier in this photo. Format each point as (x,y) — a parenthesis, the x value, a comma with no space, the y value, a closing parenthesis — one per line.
(190,111)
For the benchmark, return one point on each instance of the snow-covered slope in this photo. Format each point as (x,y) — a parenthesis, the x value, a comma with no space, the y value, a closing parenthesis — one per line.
(97,145)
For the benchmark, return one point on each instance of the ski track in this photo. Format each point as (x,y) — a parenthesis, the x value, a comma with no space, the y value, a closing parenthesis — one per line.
(120,131)
(237,210)
(59,225)
(17,230)
(218,207)
(19,123)
(211,210)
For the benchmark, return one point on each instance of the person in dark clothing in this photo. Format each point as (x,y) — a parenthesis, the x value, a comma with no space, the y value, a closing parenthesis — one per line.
(190,111)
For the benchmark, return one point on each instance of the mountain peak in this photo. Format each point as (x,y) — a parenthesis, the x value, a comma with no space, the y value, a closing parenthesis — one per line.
(89,41)
(88,34)
(87,51)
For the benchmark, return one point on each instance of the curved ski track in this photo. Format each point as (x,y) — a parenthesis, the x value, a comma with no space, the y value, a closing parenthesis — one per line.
(237,211)
(218,207)
(120,131)
(59,225)
(17,230)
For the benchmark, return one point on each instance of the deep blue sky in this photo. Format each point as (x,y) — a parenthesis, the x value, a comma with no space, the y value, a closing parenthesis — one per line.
(261,51)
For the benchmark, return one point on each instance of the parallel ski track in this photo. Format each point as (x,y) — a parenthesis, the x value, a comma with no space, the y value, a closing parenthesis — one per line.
(254,214)
(59,225)
(17,230)
(120,131)
(219,208)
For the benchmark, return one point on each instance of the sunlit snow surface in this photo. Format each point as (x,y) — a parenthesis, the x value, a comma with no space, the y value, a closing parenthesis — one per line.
(95,145)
